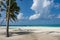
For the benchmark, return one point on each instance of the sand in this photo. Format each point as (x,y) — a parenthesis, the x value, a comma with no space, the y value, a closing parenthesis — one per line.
(31,34)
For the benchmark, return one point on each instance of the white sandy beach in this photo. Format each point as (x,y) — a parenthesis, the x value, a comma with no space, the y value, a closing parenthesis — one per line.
(31,33)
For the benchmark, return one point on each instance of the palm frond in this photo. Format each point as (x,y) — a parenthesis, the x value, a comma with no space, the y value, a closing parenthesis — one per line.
(13,16)
(0,15)
(17,13)
(14,9)
(2,3)
(2,9)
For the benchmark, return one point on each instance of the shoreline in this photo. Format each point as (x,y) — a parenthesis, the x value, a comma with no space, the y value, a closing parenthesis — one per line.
(36,29)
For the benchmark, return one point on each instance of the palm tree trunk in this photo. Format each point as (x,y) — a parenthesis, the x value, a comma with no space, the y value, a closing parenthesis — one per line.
(8,13)
(7,25)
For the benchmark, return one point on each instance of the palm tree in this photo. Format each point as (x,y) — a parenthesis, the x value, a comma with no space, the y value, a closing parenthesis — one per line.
(12,10)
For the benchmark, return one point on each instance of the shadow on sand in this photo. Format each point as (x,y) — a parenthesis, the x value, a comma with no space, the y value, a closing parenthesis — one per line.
(16,33)
(19,33)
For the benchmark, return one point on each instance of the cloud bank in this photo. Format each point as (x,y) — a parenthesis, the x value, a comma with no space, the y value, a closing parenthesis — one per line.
(41,7)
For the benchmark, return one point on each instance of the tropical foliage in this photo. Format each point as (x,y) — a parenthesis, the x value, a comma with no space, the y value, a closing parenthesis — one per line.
(12,9)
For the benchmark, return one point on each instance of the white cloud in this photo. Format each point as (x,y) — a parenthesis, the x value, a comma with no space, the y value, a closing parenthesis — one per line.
(41,8)
(46,3)
(58,16)
(20,16)
(35,16)
(37,4)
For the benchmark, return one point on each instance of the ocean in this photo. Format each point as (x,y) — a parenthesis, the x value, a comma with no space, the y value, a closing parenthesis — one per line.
(36,28)
(32,26)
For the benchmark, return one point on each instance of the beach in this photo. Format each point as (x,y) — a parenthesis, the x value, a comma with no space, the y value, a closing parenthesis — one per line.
(31,33)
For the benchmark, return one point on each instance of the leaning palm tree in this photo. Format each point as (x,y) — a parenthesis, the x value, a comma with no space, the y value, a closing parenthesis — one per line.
(12,10)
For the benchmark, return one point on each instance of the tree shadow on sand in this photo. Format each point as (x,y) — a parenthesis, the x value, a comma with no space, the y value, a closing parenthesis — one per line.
(19,33)
(16,33)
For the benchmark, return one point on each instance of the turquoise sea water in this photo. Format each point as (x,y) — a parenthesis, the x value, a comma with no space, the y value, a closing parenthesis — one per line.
(33,26)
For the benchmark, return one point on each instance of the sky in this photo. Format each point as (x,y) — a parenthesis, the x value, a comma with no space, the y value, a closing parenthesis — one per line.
(37,12)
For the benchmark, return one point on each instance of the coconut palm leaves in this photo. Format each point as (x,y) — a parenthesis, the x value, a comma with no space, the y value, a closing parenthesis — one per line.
(2,4)
(14,9)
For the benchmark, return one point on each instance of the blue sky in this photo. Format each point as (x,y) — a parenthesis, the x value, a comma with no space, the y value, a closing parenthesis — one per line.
(38,12)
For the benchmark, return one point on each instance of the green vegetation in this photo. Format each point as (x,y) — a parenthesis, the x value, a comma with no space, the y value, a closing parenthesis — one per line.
(12,10)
